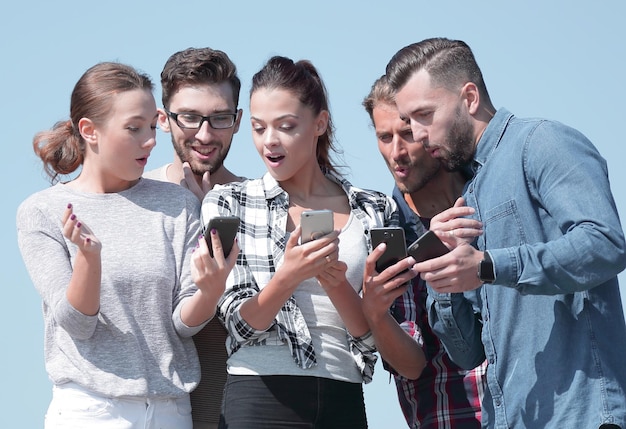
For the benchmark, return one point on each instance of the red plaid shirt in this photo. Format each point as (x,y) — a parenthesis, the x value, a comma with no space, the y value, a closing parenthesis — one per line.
(444,396)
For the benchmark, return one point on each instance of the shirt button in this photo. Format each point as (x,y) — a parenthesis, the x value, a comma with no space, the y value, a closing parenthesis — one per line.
(492,361)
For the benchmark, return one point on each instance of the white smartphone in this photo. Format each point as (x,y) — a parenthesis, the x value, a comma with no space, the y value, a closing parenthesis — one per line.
(315,224)
(226,227)
(396,246)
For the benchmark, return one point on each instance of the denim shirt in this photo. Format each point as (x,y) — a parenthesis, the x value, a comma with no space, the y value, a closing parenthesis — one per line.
(551,325)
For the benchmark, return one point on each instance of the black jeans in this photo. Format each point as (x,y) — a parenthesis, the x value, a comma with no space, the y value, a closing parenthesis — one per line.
(283,401)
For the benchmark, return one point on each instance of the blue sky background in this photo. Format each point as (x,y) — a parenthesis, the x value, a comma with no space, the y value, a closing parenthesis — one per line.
(563,60)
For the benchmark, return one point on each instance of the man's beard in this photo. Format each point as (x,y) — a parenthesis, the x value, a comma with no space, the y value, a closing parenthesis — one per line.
(460,142)
(201,168)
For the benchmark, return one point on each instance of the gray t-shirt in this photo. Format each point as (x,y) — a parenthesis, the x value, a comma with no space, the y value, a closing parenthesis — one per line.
(159,173)
(137,345)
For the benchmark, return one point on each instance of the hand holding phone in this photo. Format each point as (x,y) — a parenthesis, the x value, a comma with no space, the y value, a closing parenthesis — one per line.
(396,246)
(226,227)
(428,246)
(315,224)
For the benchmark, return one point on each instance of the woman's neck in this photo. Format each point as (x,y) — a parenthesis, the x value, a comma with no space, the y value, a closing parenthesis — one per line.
(309,185)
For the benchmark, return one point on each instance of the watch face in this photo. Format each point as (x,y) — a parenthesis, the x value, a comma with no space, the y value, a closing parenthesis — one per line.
(485,271)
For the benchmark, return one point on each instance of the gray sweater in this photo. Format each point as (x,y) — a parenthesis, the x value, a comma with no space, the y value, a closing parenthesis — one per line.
(136,345)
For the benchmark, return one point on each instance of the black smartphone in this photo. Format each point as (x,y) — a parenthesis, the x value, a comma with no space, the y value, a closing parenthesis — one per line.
(226,227)
(396,246)
(315,223)
(428,246)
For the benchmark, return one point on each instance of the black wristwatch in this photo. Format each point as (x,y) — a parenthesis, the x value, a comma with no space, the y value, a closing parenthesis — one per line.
(486,273)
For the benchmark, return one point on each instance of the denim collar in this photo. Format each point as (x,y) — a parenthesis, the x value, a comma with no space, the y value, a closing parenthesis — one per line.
(491,138)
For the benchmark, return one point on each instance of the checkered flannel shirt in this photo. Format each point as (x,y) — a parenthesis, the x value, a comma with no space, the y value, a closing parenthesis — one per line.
(262,205)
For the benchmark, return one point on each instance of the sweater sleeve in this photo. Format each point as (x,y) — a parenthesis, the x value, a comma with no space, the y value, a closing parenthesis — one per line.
(47,258)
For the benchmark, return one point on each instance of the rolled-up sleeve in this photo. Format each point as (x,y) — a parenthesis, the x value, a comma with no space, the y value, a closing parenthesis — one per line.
(363,351)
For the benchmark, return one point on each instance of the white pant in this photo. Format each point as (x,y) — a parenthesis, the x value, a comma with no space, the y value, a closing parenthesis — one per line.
(75,407)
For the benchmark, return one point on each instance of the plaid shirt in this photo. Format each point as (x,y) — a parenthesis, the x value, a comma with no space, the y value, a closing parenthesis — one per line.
(262,205)
(444,396)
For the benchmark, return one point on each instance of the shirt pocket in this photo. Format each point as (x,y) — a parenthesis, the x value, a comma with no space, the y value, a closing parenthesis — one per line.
(503,226)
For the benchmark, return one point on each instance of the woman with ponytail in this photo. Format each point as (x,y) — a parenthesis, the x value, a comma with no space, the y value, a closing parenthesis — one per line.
(110,254)
(299,346)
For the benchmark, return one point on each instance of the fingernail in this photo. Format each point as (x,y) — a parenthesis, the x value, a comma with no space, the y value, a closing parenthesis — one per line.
(88,240)
(69,205)
(73,216)
(213,231)
(78,224)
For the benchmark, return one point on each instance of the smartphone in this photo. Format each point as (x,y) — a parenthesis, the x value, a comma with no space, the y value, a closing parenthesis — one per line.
(396,246)
(426,247)
(226,227)
(315,223)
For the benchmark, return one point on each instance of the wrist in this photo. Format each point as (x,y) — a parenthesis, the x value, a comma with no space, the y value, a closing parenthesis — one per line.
(486,270)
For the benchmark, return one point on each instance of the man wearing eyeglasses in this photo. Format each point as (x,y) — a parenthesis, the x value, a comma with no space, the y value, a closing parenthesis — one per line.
(200,96)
